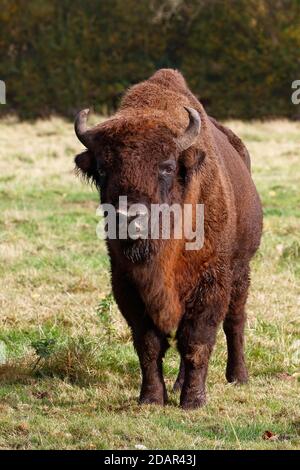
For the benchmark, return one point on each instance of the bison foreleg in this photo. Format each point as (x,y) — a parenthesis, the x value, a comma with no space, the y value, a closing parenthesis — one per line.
(196,358)
(196,337)
(149,343)
(151,347)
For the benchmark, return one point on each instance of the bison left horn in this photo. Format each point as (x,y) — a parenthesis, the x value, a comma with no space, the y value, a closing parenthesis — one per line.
(192,131)
(81,129)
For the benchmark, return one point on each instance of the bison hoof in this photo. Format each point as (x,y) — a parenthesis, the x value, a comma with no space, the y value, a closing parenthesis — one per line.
(153,397)
(188,402)
(177,386)
(238,375)
(151,400)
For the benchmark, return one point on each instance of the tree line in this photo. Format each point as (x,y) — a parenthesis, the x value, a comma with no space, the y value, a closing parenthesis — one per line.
(239,57)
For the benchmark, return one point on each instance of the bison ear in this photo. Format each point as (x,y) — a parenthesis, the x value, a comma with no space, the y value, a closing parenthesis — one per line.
(192,159)
(86,164)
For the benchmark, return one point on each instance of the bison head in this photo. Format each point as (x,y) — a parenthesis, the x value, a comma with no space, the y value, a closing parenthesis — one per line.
(136,156)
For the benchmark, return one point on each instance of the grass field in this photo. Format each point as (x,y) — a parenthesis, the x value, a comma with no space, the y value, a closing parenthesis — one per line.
(69,377)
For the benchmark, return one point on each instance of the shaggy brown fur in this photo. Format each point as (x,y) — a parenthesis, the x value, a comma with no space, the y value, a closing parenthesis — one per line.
(158,285)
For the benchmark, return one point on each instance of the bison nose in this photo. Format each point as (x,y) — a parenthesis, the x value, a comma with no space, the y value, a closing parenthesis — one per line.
(134,221)
(125,218)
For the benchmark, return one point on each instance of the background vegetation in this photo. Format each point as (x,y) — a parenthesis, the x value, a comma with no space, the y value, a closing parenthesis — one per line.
(239,56)
(68,372)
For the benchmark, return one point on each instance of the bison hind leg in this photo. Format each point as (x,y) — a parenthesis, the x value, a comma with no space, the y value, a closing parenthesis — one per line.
(180,377)
(234,323)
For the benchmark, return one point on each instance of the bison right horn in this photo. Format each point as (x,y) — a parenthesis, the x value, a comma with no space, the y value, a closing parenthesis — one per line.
(81,129)
(192,131)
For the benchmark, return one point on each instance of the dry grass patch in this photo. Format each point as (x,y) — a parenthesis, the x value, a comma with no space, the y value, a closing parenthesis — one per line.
(69,377)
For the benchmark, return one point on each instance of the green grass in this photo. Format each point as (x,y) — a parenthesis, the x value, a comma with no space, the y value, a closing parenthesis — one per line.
(69,377)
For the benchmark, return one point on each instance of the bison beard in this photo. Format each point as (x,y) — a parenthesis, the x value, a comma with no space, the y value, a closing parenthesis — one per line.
(138,251)
(161,146)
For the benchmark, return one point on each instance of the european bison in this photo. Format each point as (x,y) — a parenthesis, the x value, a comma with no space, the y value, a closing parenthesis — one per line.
(162,147)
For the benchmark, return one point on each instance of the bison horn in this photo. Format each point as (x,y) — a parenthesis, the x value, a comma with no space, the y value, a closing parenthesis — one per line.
(81,129)
(192,131)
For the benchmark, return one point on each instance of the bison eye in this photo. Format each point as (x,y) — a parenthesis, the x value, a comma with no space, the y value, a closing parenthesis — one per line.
(167,171)
(167,168)
(101,176)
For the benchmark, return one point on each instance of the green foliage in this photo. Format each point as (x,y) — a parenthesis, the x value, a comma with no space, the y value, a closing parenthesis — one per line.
(239,56)
(104,308)
(242,56)
(110,328)
(43,347)
(58,56)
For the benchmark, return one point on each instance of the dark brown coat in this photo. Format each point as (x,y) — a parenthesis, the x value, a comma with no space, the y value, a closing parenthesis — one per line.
(159,286)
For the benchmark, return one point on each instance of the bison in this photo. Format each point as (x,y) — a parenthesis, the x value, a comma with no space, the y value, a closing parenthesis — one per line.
(162,147)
